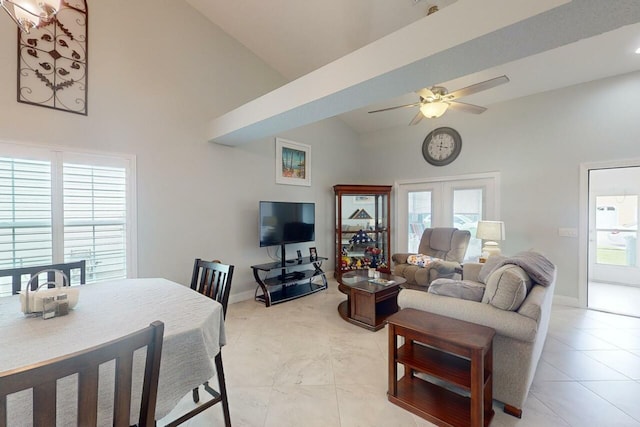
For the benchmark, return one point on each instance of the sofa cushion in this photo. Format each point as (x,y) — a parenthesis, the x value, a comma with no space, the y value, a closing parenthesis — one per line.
(489,267)
(462,289)
(507,287)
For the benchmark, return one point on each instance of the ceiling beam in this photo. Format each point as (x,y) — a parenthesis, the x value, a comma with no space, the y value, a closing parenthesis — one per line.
(464,38)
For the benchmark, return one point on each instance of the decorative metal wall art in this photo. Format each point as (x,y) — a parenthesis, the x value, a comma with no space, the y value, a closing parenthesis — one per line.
(53,61)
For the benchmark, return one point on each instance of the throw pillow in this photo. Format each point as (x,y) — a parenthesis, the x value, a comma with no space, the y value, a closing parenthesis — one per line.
(489,266)
(507,287)
(463,289)
(420,260)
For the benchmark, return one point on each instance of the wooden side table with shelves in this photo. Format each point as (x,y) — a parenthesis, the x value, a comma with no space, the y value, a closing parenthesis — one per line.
(288,285)
(455,352)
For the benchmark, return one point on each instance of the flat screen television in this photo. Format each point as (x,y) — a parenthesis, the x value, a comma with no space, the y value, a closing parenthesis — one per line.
(286,222)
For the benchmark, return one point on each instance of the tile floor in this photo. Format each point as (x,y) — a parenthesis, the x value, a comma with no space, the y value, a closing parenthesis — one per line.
(299,364)
(614,298)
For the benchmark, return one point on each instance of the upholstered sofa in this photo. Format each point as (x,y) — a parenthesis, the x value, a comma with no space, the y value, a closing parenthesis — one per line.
(447,245)
(516,303)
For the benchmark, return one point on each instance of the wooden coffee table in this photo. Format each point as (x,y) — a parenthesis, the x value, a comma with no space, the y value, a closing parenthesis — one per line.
(368,304)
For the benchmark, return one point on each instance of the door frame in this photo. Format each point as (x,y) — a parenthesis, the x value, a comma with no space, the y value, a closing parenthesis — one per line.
(583,220)
(439,179)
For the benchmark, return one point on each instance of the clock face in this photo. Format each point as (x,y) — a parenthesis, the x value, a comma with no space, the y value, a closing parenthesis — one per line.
(441,146)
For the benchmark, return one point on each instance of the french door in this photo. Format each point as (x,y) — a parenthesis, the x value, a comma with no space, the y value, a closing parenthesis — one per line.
(445,202)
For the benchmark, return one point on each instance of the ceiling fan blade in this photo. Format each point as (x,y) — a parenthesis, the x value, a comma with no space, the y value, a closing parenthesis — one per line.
(467,108)
(415,104)
(478,87)
(416,119)
(426,93)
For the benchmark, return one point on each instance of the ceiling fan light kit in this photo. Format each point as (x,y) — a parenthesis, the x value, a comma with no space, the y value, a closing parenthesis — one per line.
(433,110)
(436,101)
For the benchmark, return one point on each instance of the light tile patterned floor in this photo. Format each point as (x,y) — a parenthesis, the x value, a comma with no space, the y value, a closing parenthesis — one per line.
(614,298)
(299,364)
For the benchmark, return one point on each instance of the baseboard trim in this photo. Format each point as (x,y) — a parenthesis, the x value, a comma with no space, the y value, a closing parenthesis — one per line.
(241,296)
(565,300)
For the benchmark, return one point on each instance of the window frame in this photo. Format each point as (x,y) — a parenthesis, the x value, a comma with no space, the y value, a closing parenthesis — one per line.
(57,156)
(442,189)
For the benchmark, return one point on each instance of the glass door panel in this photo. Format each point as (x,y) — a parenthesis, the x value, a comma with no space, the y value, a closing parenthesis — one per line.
(616,230)
(419,217)
(467,211)
(415,206)
(613,270)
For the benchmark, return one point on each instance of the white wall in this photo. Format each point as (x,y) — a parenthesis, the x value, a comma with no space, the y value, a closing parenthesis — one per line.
(158,72)
(537,144)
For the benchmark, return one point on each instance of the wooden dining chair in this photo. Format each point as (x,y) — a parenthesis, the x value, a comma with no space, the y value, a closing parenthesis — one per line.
(42,378)
(67,268)
(212,279)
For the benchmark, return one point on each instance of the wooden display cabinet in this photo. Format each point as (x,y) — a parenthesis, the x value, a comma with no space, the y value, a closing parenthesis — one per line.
(362,228)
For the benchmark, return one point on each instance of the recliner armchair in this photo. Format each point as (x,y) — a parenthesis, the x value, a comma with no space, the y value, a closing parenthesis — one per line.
(449,245)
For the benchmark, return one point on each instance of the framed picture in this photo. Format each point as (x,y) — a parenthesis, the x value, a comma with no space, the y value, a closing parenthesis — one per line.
(313,255)
(293,163)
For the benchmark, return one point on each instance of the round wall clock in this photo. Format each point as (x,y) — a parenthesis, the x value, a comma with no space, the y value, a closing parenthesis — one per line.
(441,146)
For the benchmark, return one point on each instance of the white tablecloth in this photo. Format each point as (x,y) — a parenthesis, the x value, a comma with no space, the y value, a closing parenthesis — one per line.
(193,335)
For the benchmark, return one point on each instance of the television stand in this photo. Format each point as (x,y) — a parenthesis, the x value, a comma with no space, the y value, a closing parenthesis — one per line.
(288,285)
(292,275)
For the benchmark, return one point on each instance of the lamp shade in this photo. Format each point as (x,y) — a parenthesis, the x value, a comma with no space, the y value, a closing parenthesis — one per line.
(491,230)
(432,110)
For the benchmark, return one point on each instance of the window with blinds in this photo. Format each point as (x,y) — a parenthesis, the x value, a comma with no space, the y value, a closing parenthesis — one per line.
(58,206)
(95,219)
(25,213)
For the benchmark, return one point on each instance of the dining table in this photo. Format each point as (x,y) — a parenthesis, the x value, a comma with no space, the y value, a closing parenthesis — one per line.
(193,335)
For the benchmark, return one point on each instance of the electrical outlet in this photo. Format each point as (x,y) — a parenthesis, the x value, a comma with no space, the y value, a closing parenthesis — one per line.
(568,232)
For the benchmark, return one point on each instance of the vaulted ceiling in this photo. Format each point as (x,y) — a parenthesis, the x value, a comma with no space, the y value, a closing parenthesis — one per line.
(297,37)
(563,43)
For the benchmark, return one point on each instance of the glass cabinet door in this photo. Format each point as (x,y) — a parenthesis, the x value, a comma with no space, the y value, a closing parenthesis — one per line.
(362,228)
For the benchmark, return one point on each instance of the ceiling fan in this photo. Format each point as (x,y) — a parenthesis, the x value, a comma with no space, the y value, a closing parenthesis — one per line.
(436,100)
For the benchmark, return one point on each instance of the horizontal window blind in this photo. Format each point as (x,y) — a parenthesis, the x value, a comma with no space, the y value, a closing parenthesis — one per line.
(63,206)
(95,219)
(25,216)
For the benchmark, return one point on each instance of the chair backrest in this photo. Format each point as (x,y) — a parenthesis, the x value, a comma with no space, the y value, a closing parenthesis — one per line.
(42,378)
(17,273)
(213,279)
(449,244)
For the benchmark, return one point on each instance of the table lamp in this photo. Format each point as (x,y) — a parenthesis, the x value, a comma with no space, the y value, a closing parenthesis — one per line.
(490,231)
